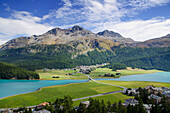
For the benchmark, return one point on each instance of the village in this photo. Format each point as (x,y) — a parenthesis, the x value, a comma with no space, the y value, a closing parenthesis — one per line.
(153,95)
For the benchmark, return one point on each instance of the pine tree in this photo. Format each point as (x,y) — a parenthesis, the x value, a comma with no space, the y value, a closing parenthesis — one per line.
(82,108)
(104,110)
(108,106)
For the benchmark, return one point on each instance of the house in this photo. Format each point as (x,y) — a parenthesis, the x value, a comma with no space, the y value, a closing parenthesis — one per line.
(154,90)
(87,103)
(70,74)
(156,99)
(166,93)
(6,111)
(118,73)
(149,87)
(42,105)
(42,111)
(147,107)
(130,101)
(45,69)
(107,75)
(131,92)
(157,90)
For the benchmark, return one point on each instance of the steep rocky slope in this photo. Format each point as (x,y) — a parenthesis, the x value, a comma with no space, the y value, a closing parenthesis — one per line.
(69,36)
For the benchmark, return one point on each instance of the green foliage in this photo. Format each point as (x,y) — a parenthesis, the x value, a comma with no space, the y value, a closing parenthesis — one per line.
(61,56)
(82,108)
(9,71)
(117,66)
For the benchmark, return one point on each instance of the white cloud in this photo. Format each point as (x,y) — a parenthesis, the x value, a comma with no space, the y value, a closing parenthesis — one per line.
(95,15)
(21,23)
(4,39)
(139,30)
(97,11)
(25,16)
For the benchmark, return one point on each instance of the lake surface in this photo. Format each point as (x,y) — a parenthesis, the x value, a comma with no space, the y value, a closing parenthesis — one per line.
(14,87)
(156,77)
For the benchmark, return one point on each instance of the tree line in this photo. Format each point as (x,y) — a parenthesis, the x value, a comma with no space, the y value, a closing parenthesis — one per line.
(65,105)
(61,56)
(12,72)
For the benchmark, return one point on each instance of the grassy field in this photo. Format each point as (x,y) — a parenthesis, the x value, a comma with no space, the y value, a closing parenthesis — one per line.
(61,73)
(119,96)
(77,90)
(99,71)
(53,92)
(135,84)
(128,71)
(111,97)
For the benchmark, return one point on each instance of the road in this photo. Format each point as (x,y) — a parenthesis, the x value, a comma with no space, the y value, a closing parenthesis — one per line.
(87,96)
(104,83)
(97,95)
(102,93)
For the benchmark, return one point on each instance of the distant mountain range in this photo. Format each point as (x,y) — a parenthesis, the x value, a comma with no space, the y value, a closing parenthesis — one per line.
(157,42)
(69,36)
(86,38)
(67,48)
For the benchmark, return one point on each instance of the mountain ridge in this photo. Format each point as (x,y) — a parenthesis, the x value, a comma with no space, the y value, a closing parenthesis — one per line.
(84,39)
(64,36)
(156,42)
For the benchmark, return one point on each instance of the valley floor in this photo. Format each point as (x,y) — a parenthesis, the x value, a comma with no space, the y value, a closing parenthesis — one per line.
(77,90)
(63,74)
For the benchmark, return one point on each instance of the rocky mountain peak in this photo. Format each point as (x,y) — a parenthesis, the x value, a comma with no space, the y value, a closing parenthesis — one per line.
(76,28)
(65,36)
(108,33)
(54,31)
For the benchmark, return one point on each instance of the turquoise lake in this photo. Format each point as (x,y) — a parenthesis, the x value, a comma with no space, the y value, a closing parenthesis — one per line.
(14,87)
(156,77)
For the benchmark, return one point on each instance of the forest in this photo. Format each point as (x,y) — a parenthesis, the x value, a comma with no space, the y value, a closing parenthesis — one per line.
(61,56)
(8,71)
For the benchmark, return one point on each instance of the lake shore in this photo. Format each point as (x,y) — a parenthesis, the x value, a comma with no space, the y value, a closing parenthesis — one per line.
(94,74)
(75,90)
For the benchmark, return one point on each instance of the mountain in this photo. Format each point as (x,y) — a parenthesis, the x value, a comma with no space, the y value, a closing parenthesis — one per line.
(68,48)
(115,37)
(157,42)
(67,36)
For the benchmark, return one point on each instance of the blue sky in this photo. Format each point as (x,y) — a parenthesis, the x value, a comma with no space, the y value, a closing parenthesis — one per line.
(138,19)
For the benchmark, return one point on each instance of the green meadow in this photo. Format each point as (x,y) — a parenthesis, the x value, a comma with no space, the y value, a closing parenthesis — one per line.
(51,93)
(48,75)
(135,84)
(110,97)
(76,90)
(128,71)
